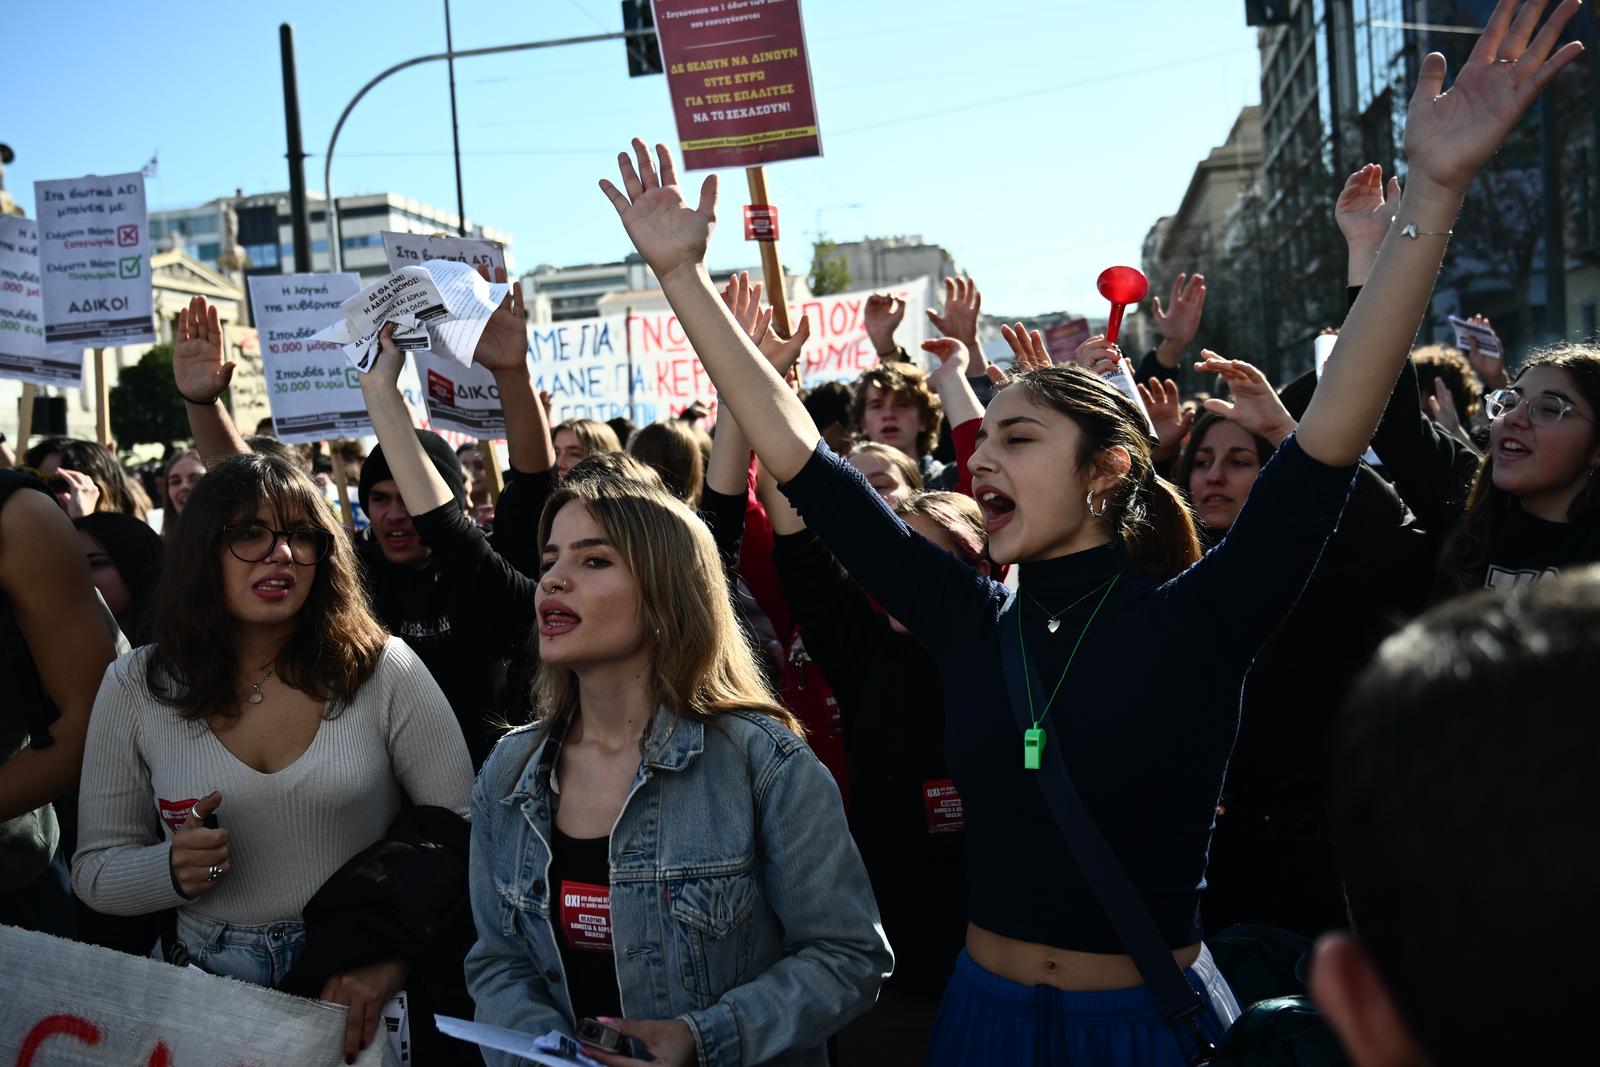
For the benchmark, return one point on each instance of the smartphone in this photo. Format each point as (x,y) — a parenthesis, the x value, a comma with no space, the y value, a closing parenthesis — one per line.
(601,1036)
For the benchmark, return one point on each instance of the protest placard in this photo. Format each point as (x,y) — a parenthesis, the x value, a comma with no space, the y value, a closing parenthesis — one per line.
(1062,339)
(75,1004)
(94,259)
(23,352)
(312,390)
(461,398)
(642,367)
(740,81)
(1467,331)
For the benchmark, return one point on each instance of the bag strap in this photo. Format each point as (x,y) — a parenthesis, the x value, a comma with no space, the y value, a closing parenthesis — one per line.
(1180,1006)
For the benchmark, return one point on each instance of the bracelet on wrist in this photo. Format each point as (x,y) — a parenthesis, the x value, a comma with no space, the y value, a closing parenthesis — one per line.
(199,403)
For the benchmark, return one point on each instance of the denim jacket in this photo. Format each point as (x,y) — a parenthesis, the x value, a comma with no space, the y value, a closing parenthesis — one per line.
(739,903)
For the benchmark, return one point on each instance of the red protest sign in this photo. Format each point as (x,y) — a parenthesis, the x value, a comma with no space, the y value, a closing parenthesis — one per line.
(760,222)
(740,81)
(1063,339)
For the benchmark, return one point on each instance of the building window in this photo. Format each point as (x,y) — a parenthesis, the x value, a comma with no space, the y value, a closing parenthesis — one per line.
(265,255)
(208,252)
(366,240)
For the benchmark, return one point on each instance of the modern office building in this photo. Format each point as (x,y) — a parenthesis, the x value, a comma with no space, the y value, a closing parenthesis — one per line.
(265,231)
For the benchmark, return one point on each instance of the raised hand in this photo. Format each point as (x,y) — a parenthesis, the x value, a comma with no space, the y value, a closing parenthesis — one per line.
(80,496)
(385,370)
(1255,405)
(1450,135)
(1027,346)
(755,318)
(504,343)
(882,317)
(744,303)
(953,358)
(1366,207)
(1442,407)
(1179,320)
(198,368)
(1166,411)
(668,233)
(1098,354)
(962,302)
(1491,369)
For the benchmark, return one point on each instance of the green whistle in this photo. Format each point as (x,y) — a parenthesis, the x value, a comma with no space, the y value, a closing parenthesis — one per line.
(1032,748)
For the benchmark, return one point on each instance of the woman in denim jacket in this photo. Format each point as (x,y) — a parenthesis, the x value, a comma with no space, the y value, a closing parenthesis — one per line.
(661,851)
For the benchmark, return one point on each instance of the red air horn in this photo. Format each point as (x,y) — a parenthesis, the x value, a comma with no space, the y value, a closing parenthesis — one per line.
(1122,286)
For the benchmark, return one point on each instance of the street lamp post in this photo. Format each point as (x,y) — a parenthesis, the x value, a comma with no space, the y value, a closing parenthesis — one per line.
(334,245)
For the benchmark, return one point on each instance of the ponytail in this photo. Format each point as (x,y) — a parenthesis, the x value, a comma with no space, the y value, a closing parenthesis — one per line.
(1164,545)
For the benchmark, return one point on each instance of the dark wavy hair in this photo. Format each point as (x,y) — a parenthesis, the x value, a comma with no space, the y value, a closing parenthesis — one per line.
(118,491)
(194,665)
(1145,510)
(137,552)
(1466,551)
(900,379)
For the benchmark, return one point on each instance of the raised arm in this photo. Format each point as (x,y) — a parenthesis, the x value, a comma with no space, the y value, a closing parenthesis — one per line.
(1179,320)
(963,303)
(503,349)
(420,485)
(672,238)
(1363,213)
(1449,136)
(202,376)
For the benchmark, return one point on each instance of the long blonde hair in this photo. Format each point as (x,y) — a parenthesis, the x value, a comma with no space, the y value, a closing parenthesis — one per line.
(702,665)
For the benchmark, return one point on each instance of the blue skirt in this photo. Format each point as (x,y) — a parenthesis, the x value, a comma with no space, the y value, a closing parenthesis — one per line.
(987,1019)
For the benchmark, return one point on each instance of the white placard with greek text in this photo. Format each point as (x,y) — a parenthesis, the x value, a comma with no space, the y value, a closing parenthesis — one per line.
(314,392)
(94,259)
(23,353)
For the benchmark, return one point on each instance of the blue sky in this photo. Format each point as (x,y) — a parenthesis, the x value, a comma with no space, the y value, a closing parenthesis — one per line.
(1035,139)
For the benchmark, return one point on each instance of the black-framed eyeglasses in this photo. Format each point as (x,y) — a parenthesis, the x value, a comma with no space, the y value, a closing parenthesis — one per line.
(252,542)
(1546,409)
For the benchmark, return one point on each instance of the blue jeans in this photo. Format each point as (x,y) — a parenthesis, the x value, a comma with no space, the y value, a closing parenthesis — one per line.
(987,1019)
(260,954)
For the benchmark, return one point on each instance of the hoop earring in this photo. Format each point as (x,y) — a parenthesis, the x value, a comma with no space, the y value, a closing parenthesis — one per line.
(1089,503)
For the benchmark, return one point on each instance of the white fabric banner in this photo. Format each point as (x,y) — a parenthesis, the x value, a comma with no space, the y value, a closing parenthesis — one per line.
(78,1005)
(23,353)
(641,366)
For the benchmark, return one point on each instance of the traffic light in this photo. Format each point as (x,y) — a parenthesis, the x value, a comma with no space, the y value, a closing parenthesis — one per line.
(644,53)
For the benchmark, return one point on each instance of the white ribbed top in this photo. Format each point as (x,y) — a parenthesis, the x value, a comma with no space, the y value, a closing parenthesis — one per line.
(289,831)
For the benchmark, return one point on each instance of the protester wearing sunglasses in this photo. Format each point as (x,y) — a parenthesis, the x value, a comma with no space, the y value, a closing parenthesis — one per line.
(263,739)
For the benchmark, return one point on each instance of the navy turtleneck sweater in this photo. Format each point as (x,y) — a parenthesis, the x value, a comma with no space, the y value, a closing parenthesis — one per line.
(1146,744)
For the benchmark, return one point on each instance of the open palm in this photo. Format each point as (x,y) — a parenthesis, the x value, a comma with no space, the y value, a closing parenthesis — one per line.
(504,343)
(1450,135)
(198,369)
(668,233)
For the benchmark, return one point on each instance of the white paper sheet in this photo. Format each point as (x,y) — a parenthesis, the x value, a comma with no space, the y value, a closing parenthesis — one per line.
(442,298)
(554,1049)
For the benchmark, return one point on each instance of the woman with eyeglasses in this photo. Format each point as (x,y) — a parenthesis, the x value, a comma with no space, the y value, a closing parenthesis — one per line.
(264,738)
(1530,505)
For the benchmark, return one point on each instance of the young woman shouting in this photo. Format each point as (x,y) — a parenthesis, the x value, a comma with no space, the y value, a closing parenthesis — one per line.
(1063,472)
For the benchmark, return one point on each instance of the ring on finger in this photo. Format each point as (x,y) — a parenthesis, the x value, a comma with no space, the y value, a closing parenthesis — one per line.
(213,873)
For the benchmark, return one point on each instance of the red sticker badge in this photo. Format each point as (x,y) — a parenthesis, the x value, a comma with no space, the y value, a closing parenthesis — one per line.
(174,812)
(586,916)
(943,805)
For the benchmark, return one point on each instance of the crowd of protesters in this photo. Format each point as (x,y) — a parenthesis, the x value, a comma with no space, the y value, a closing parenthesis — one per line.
(949,715)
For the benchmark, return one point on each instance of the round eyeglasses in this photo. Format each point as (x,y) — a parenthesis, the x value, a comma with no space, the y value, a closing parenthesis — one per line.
(1546,409)
(251,542)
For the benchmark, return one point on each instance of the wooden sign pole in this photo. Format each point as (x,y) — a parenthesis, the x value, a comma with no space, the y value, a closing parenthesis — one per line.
(491,463)
(25,417)
(102,406)
(771,265)
(341,483)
